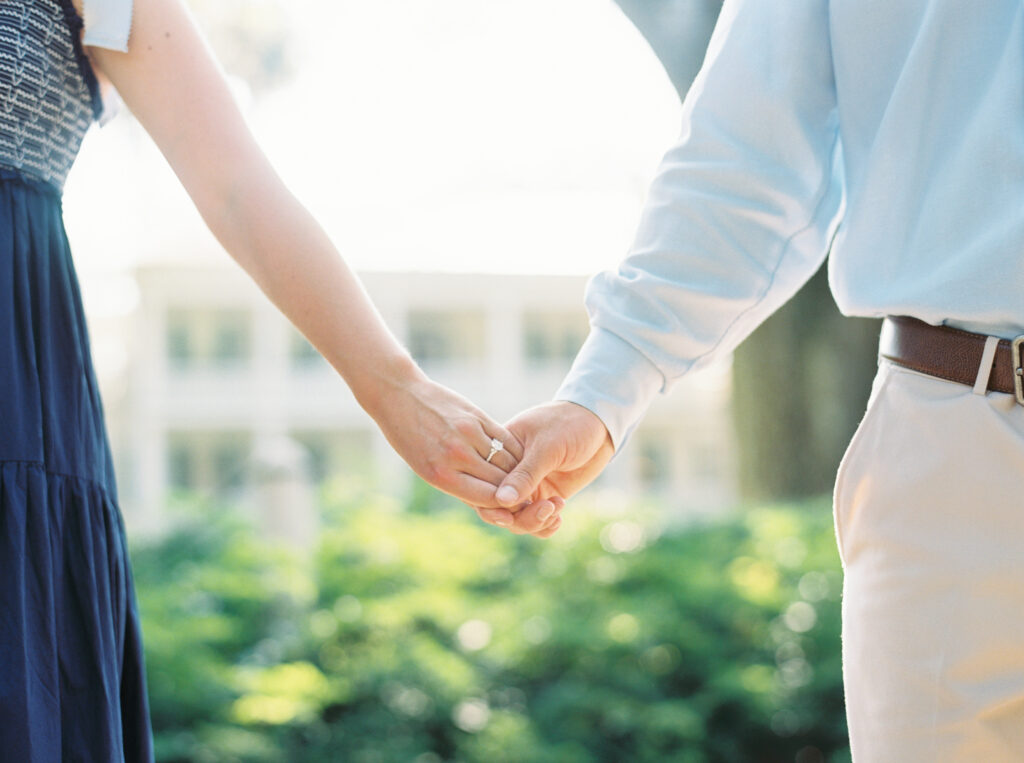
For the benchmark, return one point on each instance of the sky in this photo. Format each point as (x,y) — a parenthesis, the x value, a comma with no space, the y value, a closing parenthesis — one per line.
(454,135)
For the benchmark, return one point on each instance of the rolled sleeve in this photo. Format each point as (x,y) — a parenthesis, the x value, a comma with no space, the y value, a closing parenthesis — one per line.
(612,380)
(740,214)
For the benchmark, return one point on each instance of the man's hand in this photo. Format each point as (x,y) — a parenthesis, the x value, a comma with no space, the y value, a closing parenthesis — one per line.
(565,447)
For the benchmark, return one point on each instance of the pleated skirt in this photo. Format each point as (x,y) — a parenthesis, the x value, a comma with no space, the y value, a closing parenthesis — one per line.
(72,677)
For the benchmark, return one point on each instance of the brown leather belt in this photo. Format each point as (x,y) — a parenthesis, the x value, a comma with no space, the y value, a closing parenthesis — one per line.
(952,354)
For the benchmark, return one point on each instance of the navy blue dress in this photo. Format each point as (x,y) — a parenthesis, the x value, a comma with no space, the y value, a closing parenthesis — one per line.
(72,681)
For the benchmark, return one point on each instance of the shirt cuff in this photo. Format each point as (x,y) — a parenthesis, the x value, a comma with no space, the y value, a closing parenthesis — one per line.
(614,381)
(108,24)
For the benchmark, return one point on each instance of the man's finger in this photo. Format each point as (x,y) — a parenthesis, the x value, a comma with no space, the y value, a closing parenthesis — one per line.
(535,517)
(538,461)
(550,530)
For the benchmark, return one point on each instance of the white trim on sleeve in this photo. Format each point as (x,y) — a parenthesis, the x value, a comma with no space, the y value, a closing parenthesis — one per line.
(108,24)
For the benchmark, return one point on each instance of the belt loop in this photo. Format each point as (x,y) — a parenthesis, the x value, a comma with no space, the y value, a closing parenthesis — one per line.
(985,368)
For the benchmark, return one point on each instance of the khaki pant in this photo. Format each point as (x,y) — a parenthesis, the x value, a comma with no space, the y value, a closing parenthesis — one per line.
(929,511)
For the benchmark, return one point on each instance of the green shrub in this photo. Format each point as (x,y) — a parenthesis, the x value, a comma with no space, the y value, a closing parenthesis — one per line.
(427,636)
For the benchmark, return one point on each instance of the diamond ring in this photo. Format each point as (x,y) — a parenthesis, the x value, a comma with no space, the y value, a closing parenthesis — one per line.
(496,447)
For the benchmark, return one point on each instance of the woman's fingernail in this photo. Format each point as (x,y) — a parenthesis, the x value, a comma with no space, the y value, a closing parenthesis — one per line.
(503,521)
(506,495)
(544,513)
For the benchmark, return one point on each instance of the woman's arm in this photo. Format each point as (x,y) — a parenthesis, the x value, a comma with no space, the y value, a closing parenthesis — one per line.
(170,81)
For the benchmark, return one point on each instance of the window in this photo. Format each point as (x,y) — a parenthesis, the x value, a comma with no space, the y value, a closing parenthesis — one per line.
(553,337)
(212,463)
(302,355)
(208,338)
(337,453)
(180,470)
(438,337)
(654,460)
(229,459)
(180,339)
(230,340)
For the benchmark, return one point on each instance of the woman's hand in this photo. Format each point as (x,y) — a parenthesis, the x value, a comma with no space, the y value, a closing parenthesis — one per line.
(444,438)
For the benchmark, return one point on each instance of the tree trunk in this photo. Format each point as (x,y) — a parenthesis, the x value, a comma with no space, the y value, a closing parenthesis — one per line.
(800,384)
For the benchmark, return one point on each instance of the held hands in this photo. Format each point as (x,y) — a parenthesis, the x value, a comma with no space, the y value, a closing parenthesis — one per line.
(547,454)
(448,442)
(566,447)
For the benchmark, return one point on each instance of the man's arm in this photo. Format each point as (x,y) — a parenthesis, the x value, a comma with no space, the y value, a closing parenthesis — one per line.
(740,215)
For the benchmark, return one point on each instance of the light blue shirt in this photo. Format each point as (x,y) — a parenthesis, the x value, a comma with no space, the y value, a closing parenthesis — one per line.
(893,131)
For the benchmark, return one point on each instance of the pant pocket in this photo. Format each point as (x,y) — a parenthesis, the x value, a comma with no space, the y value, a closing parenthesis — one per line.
(851,457)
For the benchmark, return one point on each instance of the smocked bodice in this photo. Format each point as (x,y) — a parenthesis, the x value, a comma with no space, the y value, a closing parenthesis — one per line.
(48,94)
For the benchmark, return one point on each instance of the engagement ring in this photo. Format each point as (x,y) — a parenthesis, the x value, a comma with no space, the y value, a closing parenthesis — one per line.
(496,447)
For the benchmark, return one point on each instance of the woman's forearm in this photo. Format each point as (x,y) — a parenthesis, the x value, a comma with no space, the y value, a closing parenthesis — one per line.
(174,87)
(288,254)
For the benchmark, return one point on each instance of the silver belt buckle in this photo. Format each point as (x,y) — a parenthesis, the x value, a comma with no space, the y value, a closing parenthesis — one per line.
(1018,369)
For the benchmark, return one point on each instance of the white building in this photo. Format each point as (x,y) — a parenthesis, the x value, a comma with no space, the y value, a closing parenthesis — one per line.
(216,375)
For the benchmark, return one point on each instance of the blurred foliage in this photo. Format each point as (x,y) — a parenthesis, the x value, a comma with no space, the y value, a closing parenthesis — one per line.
(430,637)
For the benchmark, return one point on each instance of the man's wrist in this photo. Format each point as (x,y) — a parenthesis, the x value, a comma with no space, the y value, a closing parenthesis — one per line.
(591,421)
(614,381)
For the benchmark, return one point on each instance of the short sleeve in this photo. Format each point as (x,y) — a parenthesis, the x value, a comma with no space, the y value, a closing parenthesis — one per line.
(108,24)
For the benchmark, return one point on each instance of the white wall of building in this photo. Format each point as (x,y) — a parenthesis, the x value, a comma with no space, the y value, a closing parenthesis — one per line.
(215,374)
